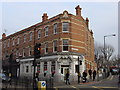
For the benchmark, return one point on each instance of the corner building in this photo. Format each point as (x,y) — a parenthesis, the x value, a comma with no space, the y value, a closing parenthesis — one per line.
(63,39)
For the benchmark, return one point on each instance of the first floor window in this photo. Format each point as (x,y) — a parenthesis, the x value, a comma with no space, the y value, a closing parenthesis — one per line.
(55,45)
(30,51)
(46,47)
(65,44)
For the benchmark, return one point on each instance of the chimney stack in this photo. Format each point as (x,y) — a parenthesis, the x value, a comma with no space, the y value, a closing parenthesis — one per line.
(3,35)
(78,11)
(87,22)
(44,17)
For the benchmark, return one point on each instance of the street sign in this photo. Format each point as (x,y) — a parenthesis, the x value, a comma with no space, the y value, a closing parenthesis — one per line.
(41,85)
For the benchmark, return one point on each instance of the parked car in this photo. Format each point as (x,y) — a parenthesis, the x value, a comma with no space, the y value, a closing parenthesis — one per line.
(115,71)
(4,77)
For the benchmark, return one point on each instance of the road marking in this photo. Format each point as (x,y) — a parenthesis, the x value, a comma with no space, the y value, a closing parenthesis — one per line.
(97,88)
(111,78)
(75,87)
(55,88)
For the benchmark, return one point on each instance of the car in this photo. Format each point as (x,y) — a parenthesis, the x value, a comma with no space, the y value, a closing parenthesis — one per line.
(4,77)
(115,71)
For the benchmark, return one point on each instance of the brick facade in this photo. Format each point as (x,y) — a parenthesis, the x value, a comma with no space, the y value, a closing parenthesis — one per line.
(79,36)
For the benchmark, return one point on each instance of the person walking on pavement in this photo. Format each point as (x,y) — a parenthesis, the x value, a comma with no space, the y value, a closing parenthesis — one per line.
(79,75)
(85,75)
(67,77)
(94,74)
(90,73)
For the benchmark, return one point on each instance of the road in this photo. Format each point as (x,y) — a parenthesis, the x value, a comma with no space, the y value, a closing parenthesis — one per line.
(111,83)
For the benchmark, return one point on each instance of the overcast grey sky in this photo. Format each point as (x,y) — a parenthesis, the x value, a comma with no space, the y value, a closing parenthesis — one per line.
(103,16)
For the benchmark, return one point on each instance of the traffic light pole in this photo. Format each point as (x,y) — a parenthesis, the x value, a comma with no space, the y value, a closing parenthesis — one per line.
(34,62)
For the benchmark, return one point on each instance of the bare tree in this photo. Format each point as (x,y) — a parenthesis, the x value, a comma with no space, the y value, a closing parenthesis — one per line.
(100,55)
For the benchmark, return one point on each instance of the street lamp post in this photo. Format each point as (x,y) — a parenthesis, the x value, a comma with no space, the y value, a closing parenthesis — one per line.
(105,46)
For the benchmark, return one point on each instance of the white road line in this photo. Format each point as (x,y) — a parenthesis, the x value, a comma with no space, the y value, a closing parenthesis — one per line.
(97,88)
(75,87)
(111,78)
(55,88)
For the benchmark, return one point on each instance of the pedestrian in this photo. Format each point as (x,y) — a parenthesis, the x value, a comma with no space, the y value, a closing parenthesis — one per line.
(45,72)
(85,75)
(53,72)
(90,73)
(67,77)
(94,74)
(79,75)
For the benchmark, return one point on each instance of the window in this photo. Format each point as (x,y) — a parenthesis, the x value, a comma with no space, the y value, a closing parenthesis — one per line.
(24,52)
(13,42)
(65,27)
(27,69)
(24,38)
(17,52)
(65,44)
(45,66)
(8,43)
(46,47)
(52,66)
(4,45)
(55,28)
(30,36)
(30,51)
(46,31)
(39,34)
(18,40)
(55,45)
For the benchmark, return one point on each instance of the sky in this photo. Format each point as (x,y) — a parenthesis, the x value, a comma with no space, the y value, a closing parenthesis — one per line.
(103,17)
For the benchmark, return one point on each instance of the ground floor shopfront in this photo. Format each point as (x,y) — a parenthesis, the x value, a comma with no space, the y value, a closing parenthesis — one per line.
(58,64)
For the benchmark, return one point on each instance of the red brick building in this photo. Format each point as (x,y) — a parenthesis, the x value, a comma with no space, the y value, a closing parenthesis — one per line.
(63,38)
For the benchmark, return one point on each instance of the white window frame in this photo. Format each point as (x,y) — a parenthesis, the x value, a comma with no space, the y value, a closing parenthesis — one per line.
(46,46)
(30,50)
(13,42)
(64,45)
(23,52)
(18,40)
(46,31)
(54,46)
(55,28)
(39,33)
(8,44)
(24,38)
(63,26)
(31,34)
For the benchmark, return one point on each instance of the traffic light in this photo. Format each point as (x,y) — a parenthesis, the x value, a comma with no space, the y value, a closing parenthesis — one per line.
(80,62)
(37,50)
